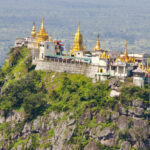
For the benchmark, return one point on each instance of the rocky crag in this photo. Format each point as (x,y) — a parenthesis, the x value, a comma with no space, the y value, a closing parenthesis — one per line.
(56,131)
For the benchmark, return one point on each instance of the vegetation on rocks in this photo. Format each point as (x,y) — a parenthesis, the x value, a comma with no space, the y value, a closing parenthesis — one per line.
(61,110)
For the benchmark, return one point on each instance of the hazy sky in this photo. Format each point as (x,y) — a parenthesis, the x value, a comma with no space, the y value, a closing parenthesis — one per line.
(115,20)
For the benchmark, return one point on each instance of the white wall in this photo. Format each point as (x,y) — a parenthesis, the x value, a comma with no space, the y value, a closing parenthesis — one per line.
(98,61)
(46,48)
(138,81)
(50,48)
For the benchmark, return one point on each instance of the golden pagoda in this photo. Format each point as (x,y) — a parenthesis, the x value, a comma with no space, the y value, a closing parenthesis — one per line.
(104,55)
(126,58)
(148,67)
(33,33)
(78,42)
(125,52)
(145,67)
(148,64)
(97,46)
(42,35)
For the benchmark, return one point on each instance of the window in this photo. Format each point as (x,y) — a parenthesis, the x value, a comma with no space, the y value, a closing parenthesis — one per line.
(101,70)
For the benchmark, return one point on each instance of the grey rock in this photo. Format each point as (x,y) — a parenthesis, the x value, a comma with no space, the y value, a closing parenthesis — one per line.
(1,137)
(114,115)
(86,115)
(91,146)
(14,116)
(108,114)
(131,111)
(125,146)
(110,140)
(19,147)
(43,126)
(132,133)
(2,119)
(37,124)
(1,113)
(138,112)
(15,136)
(27,128)
(138,103)
(71,122)
(52,78)
(100,118)
(140,133)
(28,144)
(140,123)
(148,110)
(123,111)
(114,93)
(140,146)
(94,132)
(63,133)
(106,133)
(123,123)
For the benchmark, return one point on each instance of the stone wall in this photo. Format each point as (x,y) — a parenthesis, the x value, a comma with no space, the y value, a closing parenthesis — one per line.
(76,68)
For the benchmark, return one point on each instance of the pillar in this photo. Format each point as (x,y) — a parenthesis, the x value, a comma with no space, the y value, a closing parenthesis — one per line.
(118,70)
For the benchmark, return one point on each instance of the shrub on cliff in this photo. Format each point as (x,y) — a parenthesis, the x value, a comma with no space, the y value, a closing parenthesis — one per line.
(18,94)
(34,105)
(75,92)
(130,93)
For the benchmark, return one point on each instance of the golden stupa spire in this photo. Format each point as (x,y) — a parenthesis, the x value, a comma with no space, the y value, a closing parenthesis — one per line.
(142,67)
(97,46)
(125,52)
(78,42)
(33,33)
(42,35)
(79,27)
(42,25)
(42,29)
(147,63)
(104,55)
(139,65)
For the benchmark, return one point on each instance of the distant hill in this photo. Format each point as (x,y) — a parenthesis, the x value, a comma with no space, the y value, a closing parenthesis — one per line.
(115,20)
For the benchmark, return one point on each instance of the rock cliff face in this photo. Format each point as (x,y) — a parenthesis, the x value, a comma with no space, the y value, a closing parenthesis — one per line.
(122,128)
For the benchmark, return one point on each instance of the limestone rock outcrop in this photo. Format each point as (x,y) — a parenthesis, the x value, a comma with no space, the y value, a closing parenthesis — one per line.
(123,127)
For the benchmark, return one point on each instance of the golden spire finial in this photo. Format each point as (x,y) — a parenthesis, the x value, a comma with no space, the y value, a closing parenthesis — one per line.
(33,28)
(147,63)
(42,25)
(79,26)
(139,65)
(98,46)
(142,67)
(33,33)
(125,52)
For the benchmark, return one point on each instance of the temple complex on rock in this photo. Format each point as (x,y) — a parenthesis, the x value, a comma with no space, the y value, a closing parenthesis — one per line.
(49,54)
